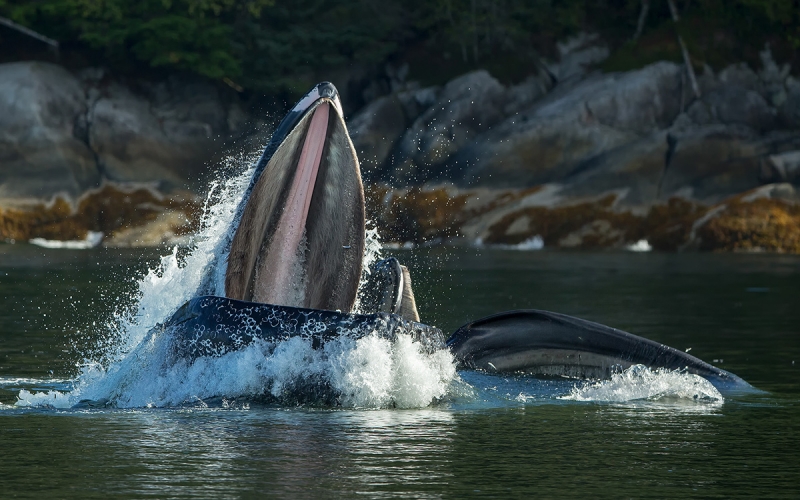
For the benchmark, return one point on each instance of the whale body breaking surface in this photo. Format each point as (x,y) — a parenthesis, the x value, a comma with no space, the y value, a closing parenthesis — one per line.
(283,297)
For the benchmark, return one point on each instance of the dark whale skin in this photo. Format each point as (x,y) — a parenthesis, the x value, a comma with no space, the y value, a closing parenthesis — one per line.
(213,326)
(535,342)
(545,343)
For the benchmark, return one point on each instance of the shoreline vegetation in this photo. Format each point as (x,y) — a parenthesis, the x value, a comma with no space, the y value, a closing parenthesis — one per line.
(281,48)
(583,124)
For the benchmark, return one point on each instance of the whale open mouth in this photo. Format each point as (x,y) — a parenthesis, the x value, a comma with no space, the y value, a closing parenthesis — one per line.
(300,239)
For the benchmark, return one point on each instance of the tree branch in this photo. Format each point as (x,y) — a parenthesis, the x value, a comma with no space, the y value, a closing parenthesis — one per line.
(642,19)
(29,32)
(684,50)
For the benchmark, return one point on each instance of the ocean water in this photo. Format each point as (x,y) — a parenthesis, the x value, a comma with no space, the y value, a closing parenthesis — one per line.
(89,409)
(484,436)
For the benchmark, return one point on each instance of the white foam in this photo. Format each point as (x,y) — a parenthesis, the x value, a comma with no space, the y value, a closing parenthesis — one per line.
(641,383)
(639,246)
(370,372)
(130,368)
(93,238)
(533,243)
(56,399)
(12,381)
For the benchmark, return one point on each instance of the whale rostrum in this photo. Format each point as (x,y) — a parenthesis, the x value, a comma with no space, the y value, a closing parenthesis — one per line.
(296,260)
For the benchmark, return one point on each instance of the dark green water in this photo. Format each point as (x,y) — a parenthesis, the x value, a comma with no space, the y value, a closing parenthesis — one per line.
(741,309)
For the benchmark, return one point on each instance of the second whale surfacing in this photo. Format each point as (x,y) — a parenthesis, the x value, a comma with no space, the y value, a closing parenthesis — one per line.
(295,263)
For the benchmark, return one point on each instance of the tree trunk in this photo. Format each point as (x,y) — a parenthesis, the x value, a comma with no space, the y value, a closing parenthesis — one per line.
(686,59)
(642,19)
(474,34)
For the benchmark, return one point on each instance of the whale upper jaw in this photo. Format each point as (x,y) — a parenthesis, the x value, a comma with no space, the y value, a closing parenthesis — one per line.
(300,239)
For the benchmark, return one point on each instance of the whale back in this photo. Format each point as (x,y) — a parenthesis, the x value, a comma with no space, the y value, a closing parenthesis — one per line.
(544,343)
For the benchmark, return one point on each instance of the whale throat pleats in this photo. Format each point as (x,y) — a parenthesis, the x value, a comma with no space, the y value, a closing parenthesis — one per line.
(300,240)
(277,273)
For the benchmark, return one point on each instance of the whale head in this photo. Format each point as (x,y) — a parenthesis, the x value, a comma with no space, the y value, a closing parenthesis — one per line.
(300,238)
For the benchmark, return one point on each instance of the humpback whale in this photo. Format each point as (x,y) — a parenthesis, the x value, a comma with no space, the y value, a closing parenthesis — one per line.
(295,263)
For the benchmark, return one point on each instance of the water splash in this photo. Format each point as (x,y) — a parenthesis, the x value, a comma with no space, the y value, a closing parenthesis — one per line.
(641,383)
(370,372)
(172,282)
(130,367)
(373,250)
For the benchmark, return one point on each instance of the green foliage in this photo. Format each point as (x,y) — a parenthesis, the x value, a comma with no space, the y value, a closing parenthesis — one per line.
(192,35)
(295,39)
(484,28)
(784,13)
(717,33)
(284,45)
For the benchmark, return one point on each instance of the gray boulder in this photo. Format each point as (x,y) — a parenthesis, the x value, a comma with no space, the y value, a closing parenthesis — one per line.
(165,139)
(791,107)
(733,104)
(740,75)
(41,151)
(195,102)
(465,108)
(377,128)
(781,167)
(711,162)
(634,170)
(773,78)
(61,135)
(577,55)
(571,125)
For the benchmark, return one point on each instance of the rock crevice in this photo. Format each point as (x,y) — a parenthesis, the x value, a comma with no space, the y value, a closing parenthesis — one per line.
(62,134)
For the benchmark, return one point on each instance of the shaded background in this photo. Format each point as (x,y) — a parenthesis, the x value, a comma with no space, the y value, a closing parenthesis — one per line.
(272,49)
(587,124)
(93,137)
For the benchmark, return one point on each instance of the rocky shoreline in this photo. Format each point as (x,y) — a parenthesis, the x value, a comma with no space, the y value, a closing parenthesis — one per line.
(575,157)
(64,134)
(765,219)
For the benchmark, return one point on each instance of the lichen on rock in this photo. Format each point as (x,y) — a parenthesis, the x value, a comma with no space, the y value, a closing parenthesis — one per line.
(112,210)
(765,219)
(752,222)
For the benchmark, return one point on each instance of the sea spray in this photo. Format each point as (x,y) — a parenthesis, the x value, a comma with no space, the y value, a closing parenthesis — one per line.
(373,251)
(370,372)
(641,383)
(171,283)
(132,365)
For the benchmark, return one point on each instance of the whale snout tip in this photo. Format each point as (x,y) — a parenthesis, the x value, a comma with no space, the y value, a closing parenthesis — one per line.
(327,89)
(321,91)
